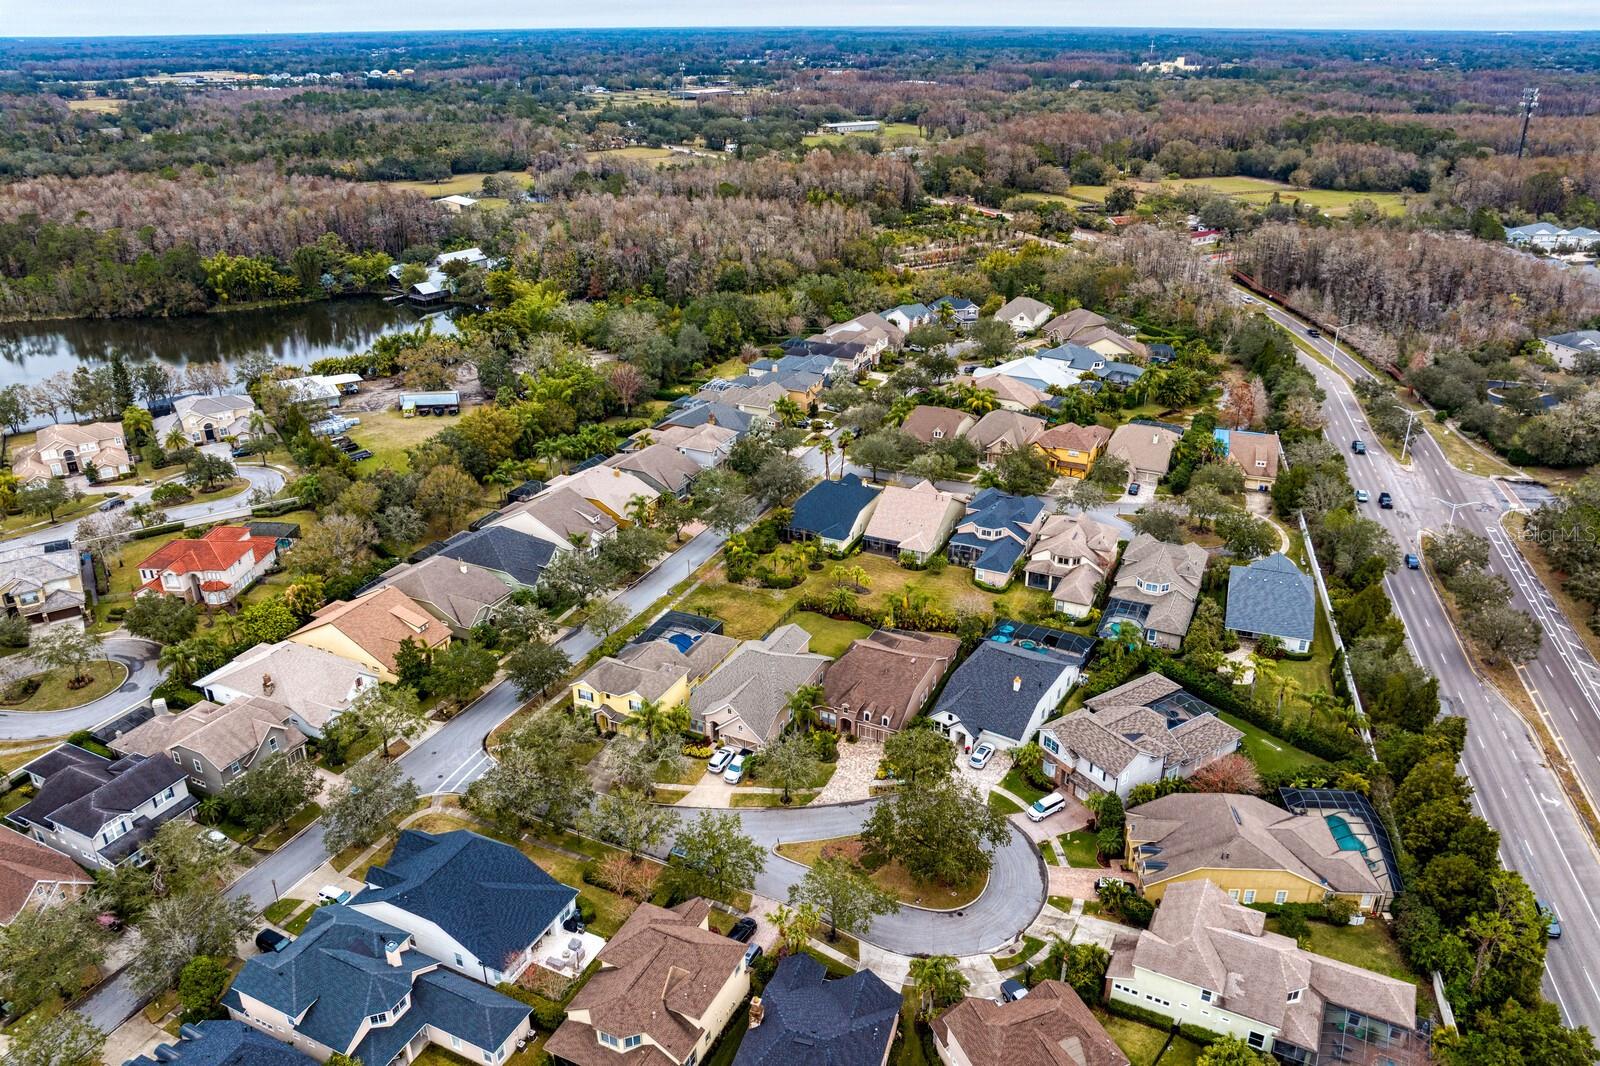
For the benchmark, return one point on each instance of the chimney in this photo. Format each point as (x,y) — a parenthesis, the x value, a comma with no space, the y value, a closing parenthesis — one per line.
(267,684)
(758,1011)
(1016,683)
(391,953)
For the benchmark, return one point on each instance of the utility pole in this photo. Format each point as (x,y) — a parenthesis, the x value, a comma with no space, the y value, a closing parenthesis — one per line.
(1405,443)
(1530,100)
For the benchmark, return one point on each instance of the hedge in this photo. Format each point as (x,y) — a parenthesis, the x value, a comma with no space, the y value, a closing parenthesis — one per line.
(275,508)
(1139,1014)
(1220,695)
(155,531)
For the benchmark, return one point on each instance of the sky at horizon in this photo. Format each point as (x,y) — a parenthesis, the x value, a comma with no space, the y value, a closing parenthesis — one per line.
(101,18)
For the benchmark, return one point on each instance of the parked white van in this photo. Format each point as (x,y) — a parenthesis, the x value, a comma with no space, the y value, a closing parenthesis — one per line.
(1046,806)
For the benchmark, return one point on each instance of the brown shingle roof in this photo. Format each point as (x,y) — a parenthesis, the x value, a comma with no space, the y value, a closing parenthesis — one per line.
(379,621)
(1010,430)
(1070,436)
(1254,453)
(924,421)
(889,672)
(1050,1026)
(221,734)
(1143,447)
(24,864)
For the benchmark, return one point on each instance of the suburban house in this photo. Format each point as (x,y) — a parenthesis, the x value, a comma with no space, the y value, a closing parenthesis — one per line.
(1111,344)
(1147,449)
(834,513)
(1012,394)
(1003,692)
(704,409)
(664,468)
(213,570)
(361,987)
(1252,850)
(707,445)
(223,1043)
(1069,324)
(661,671)
(1049,1026)
(914,521)
(883,680)
(1001,431)
(1544,237)
(996,533)
(1155,590)
(907,317)
(1072,449)
(1567,348)
(667,984)
(99,811)
(803,1017)
(561,516)
(1272,597)
(1071,559)
(965,312)
(478,906)
(316,685)
(34,877)
(1255,454)
(369,629)
(41,584)
(1138,733)
(215,743)
(1210,962)
(1023,314)
(928,424)
(1118,373)
(1042,374)
(753,396)
(1084,360)
(610,489)
(516,557)
(67,450)
(207,419)
(745,700)
(457,593)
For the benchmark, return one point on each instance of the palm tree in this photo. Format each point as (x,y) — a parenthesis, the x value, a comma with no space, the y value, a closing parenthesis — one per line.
(788,412)
(137,426)
(179,662)
(827,448)
(210,810)
(175,440)
(655,719)
(802,706)
(938,981)
(551,450)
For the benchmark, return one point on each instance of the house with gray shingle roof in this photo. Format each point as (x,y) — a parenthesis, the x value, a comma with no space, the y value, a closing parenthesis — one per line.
(223,1043)
(835,512)
(746,700)
(98,811)
(803,1017)
(1155,590)
(1271,597)
(359,986)
(1567,348)
(475,904)
(996,533)
(1003,692)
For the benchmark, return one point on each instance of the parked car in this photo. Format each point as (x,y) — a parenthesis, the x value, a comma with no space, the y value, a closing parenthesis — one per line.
(1133,489)
(1359,447)
(1412,562)
(980,756)
(112,504)
(1012,990)
(1552,927)
(1362,495)
(735,771)
(1046,806)
(272,940)
(751,954)
(743,930)
(332,894)
(1386,501)
(719,760)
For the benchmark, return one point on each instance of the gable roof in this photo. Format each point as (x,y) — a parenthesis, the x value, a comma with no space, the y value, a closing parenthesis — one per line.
(85,791)
(1069,436)
(1143,447)
(520,556)
(607,486)
(1017,518)
(1070,322)
(1049,1026)
(1011,429)
(223,1043)
(829,509)
(999,687)
(1246,449)
(1032,370)
(664,467)
(1152,561)
(1217,830)
(755,682)
(315,684)
(1587,339)
(1023,305)
(463,592)
(884,672)
(488,896)
(1074,355)
(1271,595)
(1008,389)
(24,864)
(378,622)
(808,1018)
(711,412)
(219,549)
(928,423)
(914,518)
(564,512)
(220,734)
(1114,736)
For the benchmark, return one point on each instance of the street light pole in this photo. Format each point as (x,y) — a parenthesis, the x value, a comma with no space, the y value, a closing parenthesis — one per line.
(1411,420)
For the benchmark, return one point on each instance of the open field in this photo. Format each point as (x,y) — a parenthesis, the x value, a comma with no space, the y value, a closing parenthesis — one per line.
(97,105)
(456,184)
(897,131)
(1256,191)
(387,434)
(640,153)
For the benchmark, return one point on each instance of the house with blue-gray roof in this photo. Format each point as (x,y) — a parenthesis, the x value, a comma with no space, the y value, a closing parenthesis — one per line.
(1120,373)
(705,411)
(1272,597)
(996,533)
(1076,356)
(803,1017)
(1004,690)
(908,316)
(834,513)
(220,1043)
(359,986)
(965,311)
(475,904)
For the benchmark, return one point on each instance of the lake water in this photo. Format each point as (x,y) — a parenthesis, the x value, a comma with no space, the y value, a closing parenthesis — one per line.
(296,335)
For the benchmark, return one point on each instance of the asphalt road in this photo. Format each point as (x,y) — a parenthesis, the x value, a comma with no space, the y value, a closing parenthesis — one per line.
(139,656)
(1541,835)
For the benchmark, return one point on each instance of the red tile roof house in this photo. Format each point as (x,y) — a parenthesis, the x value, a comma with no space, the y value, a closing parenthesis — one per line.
(213,570)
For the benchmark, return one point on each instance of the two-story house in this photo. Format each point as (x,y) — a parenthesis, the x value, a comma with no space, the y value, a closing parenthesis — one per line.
(996,532)
(99,811)
(1004,691)
(665,990)
(1155,591)
(745,700)
(42,583)
(1071,559)
(883,680)
(833,512)
(207,419)
(1023,314)
(1208,961)
(213,570)
(1001,432)
(359,986)
(369,629)
(317,686)
(478,906)
(1255,454)
(1146,447)
(34,877)
(656,671)
(68,450)
(216,743)
(562,517)
(1072,449)
(1138,733)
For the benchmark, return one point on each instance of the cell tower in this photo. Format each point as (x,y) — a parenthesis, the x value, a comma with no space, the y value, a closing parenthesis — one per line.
(1530,100)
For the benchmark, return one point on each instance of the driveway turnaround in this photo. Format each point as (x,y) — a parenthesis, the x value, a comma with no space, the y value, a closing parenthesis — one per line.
(139,656)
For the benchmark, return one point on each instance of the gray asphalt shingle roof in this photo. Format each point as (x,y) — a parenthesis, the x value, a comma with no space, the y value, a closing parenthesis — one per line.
(980,693)
(223,1043)
(829,508)
(809,1019)
(84,794)
(1272,596)
(521,556)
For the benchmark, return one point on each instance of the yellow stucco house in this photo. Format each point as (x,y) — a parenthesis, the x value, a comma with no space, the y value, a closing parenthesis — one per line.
(1254,851)
(370,629)
(656,671)
(1072,449)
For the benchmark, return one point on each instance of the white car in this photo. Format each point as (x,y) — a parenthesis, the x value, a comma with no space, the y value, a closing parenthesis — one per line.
(735,771)
(980,756)
(332,894)
(719,760)
(1046,806)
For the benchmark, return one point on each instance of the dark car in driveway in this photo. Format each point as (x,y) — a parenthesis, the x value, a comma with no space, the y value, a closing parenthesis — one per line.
(272,940)
(743,930)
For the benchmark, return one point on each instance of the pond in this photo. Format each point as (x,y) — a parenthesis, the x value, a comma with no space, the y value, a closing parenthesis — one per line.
(298,335)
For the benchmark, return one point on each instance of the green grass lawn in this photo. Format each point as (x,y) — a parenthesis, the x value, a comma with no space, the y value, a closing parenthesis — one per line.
(638,153)
(470,184)
(1030,947)
(1015,784)
(772,799)
(280,909)
(1079,848)
(1248,190)
(54,694)
(1269,753)
(1140,1042)
(999,803)
(297,925)
(830,637)
(387,434)
(889,130)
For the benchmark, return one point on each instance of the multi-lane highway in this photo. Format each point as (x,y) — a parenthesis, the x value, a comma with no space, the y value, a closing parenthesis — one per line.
(1541,834)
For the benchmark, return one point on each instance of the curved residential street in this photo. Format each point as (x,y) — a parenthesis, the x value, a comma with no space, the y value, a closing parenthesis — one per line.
(138,655)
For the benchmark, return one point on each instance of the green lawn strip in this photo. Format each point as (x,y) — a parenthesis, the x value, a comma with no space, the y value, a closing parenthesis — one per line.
(834,967)
(277,838)
(1181,1052)
(889,876)
(1079,848)
(771,799)
(54,694)
(1018,786)
(824,774)
(830,636)
(297,925)
(1269,753)
(280,909)
(1031,946)
(999,803)
(1140,1042)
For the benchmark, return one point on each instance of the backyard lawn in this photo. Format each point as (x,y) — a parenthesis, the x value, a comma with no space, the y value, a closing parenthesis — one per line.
(829,636)
(893,130)
(891,876)
(387,434)
(1269,753)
